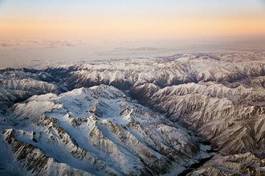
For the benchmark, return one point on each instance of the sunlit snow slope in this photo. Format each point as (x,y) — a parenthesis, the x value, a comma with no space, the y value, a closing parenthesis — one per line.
(188,114)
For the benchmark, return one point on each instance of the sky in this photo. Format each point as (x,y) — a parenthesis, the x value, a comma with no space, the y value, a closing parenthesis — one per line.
(48,32)
(126,20)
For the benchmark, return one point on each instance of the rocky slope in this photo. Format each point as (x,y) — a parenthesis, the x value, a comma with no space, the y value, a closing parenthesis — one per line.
(98,131)
(141,117)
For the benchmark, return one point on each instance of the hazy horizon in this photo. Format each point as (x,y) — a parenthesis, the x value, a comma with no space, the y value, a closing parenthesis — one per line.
(65,31)
(33,53)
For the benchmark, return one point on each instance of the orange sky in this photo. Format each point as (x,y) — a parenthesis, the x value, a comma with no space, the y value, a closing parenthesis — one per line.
(130,24)
(120,28)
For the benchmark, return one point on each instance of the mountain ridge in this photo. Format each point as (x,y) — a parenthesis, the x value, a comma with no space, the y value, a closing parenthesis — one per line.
(209,98)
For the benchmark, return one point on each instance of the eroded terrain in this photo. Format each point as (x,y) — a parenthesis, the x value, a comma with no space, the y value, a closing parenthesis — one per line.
(188,114)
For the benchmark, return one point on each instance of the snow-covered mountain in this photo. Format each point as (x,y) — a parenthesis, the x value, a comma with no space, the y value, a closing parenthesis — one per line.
(188,114)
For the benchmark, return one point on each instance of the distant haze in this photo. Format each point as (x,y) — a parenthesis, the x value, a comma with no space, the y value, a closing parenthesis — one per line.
(66,30)
(30,53)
